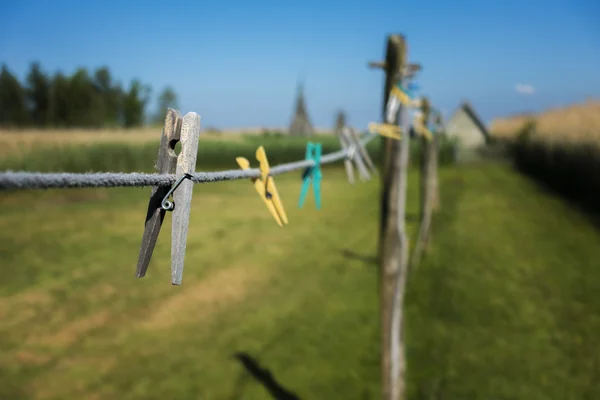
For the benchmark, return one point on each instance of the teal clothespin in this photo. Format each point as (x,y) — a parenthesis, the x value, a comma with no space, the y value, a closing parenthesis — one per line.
(412,89)
(405,94)
(313,152)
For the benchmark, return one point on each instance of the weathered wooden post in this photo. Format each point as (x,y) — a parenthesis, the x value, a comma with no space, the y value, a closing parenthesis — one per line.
(425,157)
(428,155)
(438,121)
(393,241)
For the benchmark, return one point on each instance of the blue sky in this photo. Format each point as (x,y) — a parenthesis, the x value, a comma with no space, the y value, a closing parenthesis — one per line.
(237,63)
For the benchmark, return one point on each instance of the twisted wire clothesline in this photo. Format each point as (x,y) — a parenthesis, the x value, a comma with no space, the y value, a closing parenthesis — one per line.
(63,180)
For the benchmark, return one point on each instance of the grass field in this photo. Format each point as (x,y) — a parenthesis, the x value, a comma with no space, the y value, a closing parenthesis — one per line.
(75,323)
(504,306)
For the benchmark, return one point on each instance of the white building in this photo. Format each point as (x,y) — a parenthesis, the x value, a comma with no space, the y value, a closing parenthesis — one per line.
(466,126)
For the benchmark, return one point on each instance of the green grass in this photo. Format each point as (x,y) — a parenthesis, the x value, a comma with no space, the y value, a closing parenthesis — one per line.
(213,154)
(504,305)
(75,323)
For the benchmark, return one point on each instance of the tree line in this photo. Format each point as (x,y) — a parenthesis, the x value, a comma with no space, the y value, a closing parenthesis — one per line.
(83,100)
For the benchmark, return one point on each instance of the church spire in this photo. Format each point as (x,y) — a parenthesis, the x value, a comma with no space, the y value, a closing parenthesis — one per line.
(300,125)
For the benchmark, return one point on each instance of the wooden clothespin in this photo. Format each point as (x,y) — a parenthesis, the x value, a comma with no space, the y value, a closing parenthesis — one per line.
(313,152)
(165,164)
(187,131)
(420,126)
(345,143)
(388,130)
(362,151)
(404,95)
(265,186)
(355,154)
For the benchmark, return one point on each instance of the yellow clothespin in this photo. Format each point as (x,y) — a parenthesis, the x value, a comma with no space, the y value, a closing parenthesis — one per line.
(389,130)
(420,127)
(401,95)
(265,186)
(404,97)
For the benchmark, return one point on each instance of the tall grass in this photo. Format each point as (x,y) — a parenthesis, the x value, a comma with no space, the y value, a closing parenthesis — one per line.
(560,149)
(575,123)
(212,154)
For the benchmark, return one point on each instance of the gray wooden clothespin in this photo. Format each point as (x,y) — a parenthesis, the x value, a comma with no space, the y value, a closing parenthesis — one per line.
(187,131)
(354,146)
(363,151)
(345,143)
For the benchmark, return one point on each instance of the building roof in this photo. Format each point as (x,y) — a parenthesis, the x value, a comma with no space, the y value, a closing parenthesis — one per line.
(470,111)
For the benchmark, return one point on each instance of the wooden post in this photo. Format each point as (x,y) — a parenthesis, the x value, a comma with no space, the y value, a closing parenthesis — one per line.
(435,186)
(425,162)
(427,182)
(393,241)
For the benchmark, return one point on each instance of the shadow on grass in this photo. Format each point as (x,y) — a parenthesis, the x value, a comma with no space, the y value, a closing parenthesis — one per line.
(261,375)
(265,378)
(349,254)
(427,297)
(563,171)
(583,203)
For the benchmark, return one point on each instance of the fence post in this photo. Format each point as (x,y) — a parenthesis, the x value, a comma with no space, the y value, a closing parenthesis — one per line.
(393,241)
(428,181)
(435,185)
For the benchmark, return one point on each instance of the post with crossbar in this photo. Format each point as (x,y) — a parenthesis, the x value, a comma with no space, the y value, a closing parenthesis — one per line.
(393,241)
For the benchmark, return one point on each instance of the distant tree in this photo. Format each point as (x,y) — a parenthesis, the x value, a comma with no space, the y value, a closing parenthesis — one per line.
(79,100)
(38,91)
(166,99)
(59,98)
(13,100)
(134,103)
(86,107)
(111,94)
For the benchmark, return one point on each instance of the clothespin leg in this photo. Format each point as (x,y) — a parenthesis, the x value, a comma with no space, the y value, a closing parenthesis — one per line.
(276,200)
(182,197)
(317,191)
(304,190)
(362,170)
(363,152)
(165,164)
(349,171)
(307,176)
(364,173)
(260,189)
(261,156)
(318,175)
(345,142)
